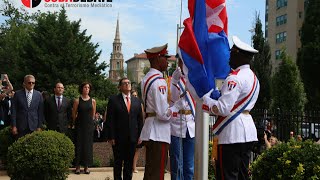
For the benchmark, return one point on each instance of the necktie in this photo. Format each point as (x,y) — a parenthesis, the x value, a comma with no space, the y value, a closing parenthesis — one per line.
(128,104)
(29,98)
(59,103)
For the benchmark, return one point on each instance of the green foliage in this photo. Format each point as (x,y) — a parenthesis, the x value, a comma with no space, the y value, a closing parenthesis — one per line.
(261,65)
(6,140)
(292,160)
(309,53)
(103,88)
(14,34)
(59,50)
(146,70)
(101,105)
(52,48)
(211,175)
(172,68)
(96,162)
(71,91)
(40,155)
(111,162)
(287,88)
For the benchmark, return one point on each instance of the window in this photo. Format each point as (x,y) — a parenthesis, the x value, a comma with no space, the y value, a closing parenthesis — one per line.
(281,3)
(280,37)
(278,53)
(118,65)
(281,20)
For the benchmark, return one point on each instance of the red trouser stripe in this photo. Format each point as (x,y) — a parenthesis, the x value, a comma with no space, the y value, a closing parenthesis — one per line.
(162,160)
(220,162)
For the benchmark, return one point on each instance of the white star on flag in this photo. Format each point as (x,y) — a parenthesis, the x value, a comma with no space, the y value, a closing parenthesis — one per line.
(212,15)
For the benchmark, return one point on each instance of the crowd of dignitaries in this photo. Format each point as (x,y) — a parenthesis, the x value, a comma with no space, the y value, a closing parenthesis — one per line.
(27,111)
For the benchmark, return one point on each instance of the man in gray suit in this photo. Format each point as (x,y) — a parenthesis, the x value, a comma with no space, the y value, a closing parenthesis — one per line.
(27,109)
(57,110)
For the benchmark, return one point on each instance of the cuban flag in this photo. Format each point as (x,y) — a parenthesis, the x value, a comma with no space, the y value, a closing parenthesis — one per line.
(203,45)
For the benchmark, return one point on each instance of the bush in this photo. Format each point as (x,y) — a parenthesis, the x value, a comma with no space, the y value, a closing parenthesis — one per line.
(6,140)
(42,155)
(211,169)
(96,162)
(292,160)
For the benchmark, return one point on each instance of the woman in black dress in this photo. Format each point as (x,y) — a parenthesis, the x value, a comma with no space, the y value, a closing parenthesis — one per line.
(83,112)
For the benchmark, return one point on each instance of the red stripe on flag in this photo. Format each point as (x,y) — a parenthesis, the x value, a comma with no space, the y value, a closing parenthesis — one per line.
(188,42)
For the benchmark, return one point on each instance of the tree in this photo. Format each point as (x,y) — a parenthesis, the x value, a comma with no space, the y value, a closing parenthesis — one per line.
(261,65)
(52,48)
(309,53)
(58,51)
(14,34)
(287,87)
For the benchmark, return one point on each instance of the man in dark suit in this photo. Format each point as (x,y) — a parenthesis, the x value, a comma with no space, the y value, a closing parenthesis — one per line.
(58,110)
(125,121)
(27,109)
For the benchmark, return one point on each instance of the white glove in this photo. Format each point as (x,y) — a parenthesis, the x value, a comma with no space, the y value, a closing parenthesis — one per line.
(176,75)
(178,105)
(207,100)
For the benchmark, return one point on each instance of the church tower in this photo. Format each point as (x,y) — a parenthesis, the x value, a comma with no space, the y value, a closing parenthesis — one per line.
(116,60)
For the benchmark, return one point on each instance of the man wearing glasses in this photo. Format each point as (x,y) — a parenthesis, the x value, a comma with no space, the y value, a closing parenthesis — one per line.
(124,123)
(27,109)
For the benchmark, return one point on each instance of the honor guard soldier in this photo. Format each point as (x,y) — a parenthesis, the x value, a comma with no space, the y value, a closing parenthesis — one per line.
(234,127)
(156,130)
(182,128)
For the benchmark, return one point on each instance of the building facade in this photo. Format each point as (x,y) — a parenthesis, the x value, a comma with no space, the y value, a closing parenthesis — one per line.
(116,60)
(139,64)
(283,22)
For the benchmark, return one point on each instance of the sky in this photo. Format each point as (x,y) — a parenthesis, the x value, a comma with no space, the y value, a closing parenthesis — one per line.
(147,23)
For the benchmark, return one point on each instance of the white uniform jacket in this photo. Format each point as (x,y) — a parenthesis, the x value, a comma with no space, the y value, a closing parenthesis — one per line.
(181,122)
(156,128)
(237,86)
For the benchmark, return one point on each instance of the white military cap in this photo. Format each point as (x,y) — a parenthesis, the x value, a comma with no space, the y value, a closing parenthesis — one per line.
(157,51)
(243,46)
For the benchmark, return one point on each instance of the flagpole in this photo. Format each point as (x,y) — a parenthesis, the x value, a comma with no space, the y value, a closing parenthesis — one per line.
(201,143)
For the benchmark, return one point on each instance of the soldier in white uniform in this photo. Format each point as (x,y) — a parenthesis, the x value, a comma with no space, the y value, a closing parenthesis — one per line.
(156,130)
(235,127)
(182,129)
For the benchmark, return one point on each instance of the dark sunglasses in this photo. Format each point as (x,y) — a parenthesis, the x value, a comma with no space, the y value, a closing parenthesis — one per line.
(31,82)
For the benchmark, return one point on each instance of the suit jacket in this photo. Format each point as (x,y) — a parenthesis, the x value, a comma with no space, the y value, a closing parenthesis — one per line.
(57,119)
(6,109)
(124,126)
(24,117)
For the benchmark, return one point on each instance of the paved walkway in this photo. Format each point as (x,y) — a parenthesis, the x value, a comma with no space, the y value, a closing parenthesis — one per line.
(96,174)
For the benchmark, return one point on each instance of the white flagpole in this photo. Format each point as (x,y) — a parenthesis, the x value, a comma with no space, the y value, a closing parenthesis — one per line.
(201,143)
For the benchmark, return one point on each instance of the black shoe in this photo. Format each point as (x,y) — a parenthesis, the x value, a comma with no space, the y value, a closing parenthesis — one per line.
(77,171)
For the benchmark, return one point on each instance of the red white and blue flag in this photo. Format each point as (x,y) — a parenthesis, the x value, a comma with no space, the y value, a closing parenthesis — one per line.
(204,46)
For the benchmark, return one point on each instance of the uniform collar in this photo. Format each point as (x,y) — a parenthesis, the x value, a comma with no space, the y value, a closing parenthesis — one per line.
(155,71)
